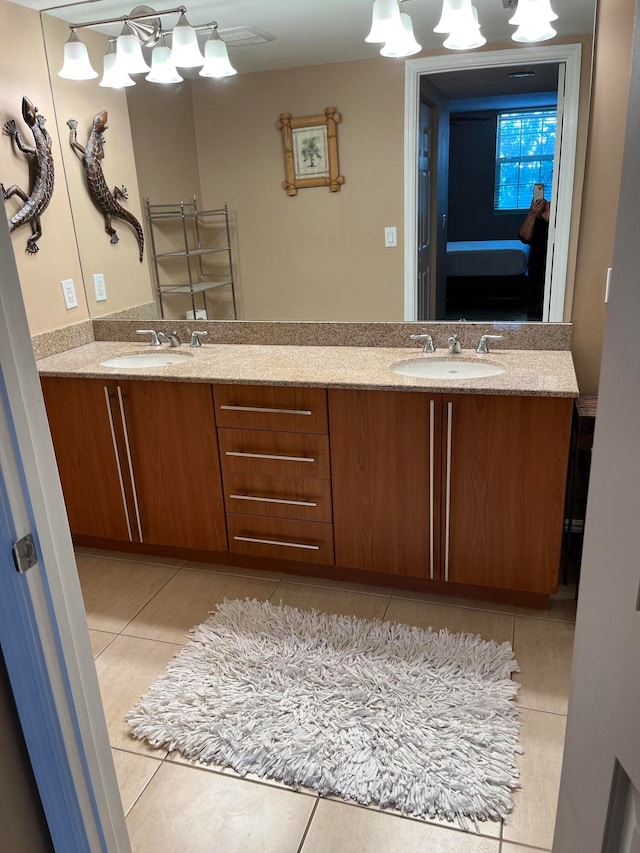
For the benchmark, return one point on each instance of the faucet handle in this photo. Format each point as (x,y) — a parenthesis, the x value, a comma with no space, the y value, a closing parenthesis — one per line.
(155,341)
(429,346)
(195,338)
(454,344)
(483,346)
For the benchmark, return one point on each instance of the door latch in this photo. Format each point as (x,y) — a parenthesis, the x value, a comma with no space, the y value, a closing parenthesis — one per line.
(24,553)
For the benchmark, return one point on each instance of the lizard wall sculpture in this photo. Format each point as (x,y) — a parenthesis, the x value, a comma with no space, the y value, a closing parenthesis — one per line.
(105,200)
(38,199)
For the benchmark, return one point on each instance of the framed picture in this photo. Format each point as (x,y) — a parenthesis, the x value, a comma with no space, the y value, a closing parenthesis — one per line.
(311,151)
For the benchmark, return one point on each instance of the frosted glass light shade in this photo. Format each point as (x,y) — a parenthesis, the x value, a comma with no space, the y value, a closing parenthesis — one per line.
(129,54)
(385,22)
(216,59)
(453,11)
(529,12)
(113,76)
(76,65)
(404,46)
(162,69)
(185,51)
(466,34)
(535,31)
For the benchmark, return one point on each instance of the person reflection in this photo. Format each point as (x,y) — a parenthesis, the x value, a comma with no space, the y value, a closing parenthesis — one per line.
(534,231)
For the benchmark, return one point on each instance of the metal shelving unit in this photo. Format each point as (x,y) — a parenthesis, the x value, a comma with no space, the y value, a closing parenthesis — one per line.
(197,280)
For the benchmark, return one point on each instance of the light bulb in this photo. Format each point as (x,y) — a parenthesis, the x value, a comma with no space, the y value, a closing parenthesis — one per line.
(129,53)
(162,69)
(113,75)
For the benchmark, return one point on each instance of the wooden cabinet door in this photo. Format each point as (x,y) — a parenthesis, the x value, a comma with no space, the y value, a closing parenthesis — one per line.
(385,479)
(174,456)
(83,428)
(504,471)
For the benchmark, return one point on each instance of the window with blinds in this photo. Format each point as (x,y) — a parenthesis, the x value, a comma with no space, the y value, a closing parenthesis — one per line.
(525,145)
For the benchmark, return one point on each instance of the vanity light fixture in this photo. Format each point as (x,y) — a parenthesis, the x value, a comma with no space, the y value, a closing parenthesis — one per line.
(142,28)
(459,20)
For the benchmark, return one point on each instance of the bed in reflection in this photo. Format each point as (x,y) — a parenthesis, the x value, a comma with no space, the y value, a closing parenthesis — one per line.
(486,275)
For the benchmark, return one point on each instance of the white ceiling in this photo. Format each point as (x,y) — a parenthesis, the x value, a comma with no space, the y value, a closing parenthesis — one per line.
(310,32)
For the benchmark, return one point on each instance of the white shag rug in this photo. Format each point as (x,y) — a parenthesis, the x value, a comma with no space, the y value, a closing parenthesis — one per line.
(373,711)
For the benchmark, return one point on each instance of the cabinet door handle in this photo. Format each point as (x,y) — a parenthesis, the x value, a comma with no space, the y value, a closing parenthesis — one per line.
(119,467)
(129,460)
(448,492)
(272,500)
(276,542)
(269,456)
(267,410)
(432,419)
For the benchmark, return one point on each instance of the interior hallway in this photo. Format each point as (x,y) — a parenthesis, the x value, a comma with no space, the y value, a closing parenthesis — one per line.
(139,611)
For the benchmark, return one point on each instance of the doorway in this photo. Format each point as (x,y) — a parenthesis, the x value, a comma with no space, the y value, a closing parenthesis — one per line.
(457,105)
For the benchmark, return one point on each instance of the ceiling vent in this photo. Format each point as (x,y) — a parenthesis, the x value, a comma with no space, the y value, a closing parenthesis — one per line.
(244,36)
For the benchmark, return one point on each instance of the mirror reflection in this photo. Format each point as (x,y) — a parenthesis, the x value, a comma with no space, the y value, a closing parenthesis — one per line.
(201,145)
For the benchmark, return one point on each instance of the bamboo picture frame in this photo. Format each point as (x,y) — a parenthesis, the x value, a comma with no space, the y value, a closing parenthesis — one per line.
(311,151)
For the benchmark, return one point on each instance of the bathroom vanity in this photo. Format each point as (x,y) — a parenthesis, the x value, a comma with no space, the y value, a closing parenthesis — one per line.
(321,460)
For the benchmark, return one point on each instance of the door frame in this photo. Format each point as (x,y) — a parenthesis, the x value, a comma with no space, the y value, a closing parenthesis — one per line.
(570,55)
(45,637)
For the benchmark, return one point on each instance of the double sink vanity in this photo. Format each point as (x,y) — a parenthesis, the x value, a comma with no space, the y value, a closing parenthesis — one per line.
(443,471)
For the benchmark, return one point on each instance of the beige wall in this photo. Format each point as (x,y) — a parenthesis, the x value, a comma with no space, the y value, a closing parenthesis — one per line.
(23,71)
(612,56)
(318,255)
(127,280)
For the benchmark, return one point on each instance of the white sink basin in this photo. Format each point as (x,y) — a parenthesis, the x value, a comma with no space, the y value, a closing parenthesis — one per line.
(446,368)
(146,359)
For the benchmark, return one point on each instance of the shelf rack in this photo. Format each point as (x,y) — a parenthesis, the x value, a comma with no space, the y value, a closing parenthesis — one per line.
(198,279)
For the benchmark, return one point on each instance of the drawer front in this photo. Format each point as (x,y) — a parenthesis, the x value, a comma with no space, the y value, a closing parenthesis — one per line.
(284,539)
(282,497)
(286,454)
(283,408)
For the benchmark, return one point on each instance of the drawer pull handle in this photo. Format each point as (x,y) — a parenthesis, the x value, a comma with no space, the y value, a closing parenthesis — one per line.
(269,456)
(267,410)
(118,465)
(272,500)
(275,542)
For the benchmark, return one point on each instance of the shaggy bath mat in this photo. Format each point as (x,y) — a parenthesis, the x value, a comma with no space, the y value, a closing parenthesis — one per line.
(373,711)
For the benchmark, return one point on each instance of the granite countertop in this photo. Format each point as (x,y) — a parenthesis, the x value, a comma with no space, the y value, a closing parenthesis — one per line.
(540,373)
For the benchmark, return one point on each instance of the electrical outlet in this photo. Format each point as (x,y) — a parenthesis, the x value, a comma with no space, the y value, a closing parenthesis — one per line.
(69,293)
(390,237)
(99,287)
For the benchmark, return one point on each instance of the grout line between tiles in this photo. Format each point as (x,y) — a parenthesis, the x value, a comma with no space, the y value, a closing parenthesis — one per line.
(149,600)
(107,555)
(445,603)
(308,826)
(545,619)
(382,618)
(144,787)
(540,711)
(108,644)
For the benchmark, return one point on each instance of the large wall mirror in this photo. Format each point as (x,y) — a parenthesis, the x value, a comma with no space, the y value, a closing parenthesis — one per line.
(421,145)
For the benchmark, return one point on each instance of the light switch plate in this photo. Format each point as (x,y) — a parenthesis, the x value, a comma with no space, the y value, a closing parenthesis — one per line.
(608,285)
(99,287)
(390,236)
(69,293)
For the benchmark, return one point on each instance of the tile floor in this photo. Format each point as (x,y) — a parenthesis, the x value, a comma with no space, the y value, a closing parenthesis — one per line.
(139,610)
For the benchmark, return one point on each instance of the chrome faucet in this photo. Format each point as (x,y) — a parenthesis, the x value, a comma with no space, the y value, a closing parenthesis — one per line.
(483,346)
(195,338)
(429,346)
(172,337)
(154,336)
(454,345)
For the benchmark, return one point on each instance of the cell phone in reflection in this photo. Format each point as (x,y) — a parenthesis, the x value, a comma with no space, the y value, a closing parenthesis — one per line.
(538,192)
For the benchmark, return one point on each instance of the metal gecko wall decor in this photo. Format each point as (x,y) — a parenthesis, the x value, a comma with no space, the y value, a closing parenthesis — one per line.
(37,200)
(105,200)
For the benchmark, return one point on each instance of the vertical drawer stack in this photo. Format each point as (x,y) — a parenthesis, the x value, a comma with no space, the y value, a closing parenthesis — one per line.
(274,452)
